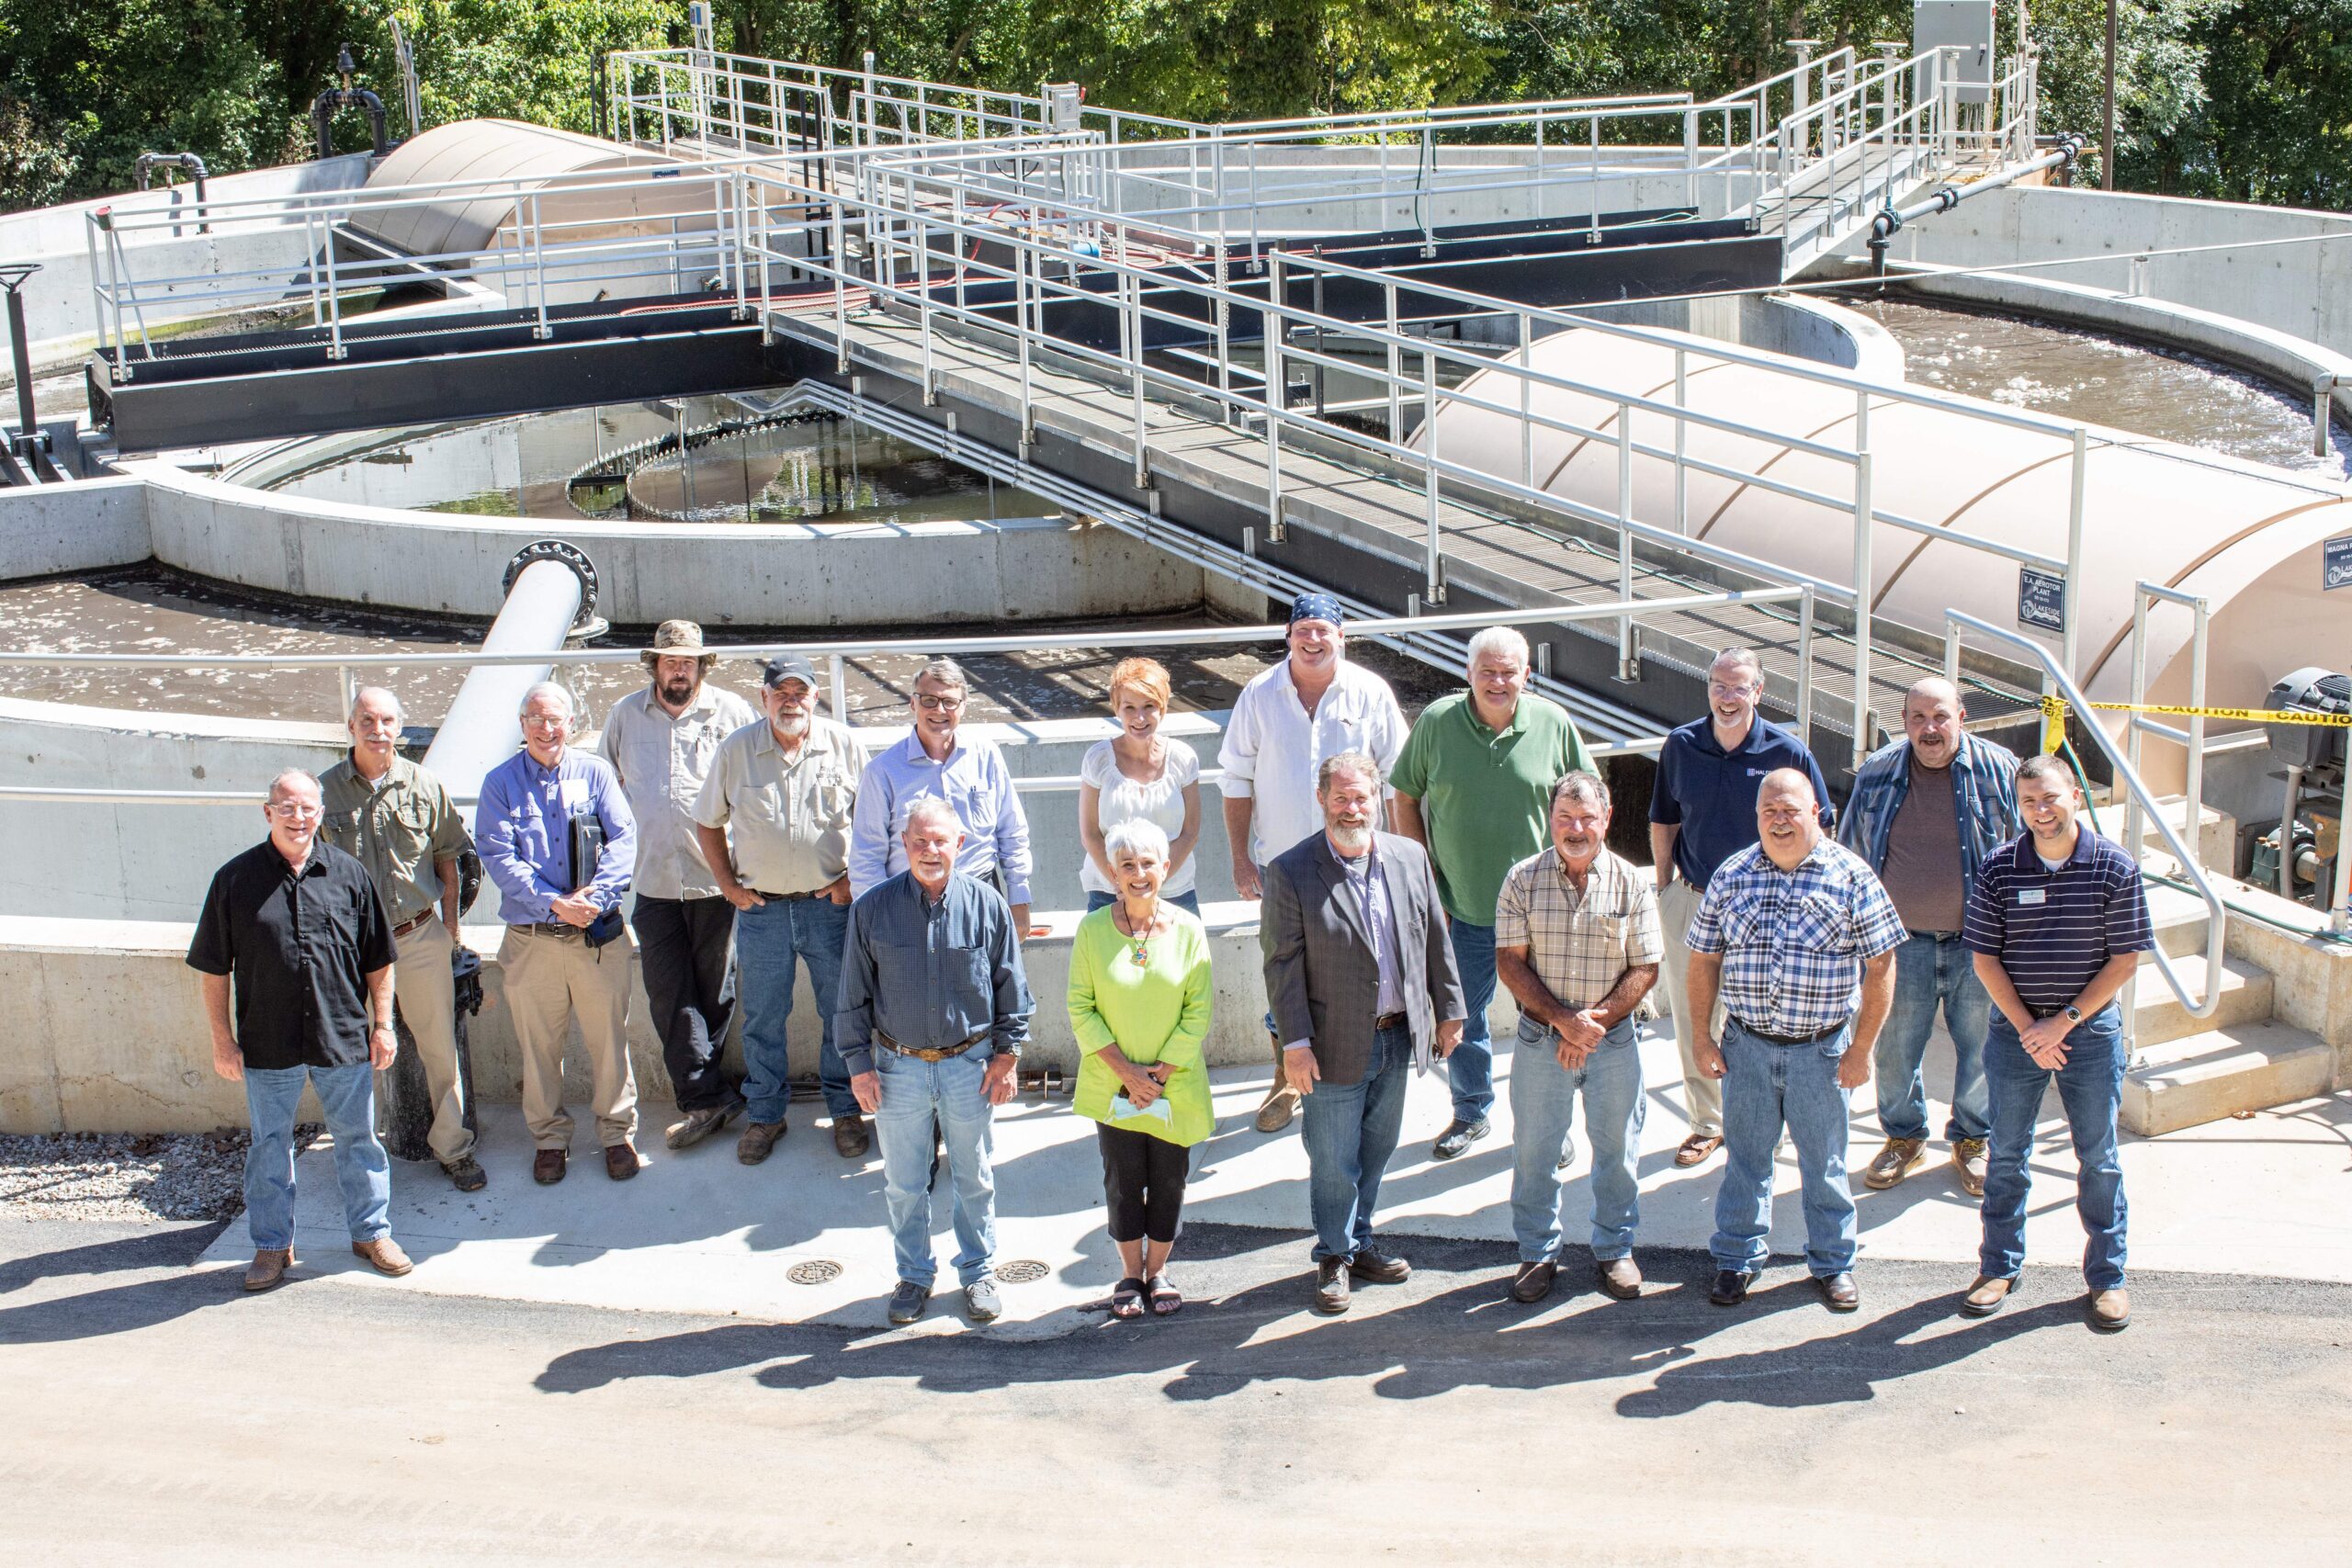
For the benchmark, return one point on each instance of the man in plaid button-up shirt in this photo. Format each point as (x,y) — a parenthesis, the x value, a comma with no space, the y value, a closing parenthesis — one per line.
(1577,940)
(1801,940)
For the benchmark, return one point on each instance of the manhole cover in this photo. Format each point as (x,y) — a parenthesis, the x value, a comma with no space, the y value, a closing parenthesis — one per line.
(816,1271)
(1021,1271)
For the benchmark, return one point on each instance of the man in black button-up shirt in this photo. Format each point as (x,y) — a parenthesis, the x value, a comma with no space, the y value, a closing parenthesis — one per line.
(297,923)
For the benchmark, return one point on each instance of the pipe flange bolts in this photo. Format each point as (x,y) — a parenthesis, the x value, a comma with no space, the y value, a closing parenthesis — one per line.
(584,624)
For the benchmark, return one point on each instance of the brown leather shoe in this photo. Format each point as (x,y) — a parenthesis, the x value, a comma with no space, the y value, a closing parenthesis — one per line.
(1968,1161)
(622,1160)
(2111,1311)
(546,1166)
(1533,1282)
(1331,1286)
(758,1141)
(851,1138)
(1696,1148)
(268,1268)
(1371,1268)
(384,1256)
(1897,1158)
(1620,1277)
(1985,1296)
(1282,1101)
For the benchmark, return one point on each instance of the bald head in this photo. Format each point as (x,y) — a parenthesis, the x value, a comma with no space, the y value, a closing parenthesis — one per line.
(1933,716)
(1788,816)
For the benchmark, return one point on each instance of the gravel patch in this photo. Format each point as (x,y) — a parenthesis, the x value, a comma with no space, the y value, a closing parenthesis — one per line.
(126,1176)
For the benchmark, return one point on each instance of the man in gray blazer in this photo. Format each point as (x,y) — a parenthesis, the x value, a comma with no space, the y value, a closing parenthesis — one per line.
(1363,983)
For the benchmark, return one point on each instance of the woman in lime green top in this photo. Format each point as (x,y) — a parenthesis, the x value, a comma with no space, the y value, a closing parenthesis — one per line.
(1139,1005)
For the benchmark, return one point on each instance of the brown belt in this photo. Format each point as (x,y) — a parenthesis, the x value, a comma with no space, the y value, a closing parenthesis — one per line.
(400,931)
(929,1053)
(1388,1020)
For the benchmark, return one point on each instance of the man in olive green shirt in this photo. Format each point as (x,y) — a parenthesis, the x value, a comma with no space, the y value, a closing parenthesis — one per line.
(398,820)
(1474,786)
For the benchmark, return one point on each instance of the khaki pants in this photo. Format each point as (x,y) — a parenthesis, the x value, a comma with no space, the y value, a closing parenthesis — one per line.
(429,1008)
(1703,1095)
(551,981)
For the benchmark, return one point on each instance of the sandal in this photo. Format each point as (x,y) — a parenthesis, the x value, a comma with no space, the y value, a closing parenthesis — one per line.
(1126,1301)
(1165,1298)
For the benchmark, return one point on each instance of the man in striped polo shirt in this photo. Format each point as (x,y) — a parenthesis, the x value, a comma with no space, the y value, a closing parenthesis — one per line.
(1798,938)
(2057,920)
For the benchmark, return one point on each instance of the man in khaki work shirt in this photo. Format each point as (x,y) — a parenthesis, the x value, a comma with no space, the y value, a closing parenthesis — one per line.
(783,790)
(397,819)
(660,740)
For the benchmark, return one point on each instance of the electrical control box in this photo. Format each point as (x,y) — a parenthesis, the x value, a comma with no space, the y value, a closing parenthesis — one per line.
(1967,27)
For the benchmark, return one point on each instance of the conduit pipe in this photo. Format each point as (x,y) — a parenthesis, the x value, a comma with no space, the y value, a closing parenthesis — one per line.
(147,162)
(1947,196)
(550,594)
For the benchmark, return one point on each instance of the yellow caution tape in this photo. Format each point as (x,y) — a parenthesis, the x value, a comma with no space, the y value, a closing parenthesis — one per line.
(2054,710)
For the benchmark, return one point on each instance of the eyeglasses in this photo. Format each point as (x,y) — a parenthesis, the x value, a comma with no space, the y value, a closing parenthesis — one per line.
(931,704)
(1730,688)
(295,810)
(544,721)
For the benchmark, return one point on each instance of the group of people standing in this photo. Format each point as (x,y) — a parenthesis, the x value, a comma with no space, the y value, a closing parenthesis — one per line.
(758,846)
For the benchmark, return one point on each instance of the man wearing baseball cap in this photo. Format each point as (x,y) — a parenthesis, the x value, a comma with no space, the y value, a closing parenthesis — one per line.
(661,741)
(773,822)
(1285,722)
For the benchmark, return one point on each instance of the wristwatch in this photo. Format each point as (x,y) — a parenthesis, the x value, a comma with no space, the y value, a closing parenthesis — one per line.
(2073,1013)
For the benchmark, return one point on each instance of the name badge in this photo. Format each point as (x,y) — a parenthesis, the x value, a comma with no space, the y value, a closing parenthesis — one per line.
(574,793)
(2032,895)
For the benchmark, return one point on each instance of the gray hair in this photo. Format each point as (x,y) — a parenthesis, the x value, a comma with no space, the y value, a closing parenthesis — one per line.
(278,785)
(1495,639)
(944,670)
(1137,834)
(384,694)
(930,807)
(1586,786)
(1740,657)
(1348,762)
(538,689)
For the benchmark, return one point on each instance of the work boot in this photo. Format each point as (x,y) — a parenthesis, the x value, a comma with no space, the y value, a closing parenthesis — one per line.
(1968,1160)
(2111,1311)
(1986,1295)
(466,1174)
(622,1161)
(1620,1277)
(268,1268)
(384,1256)
(1331,1286)
(1282,1101)
(546,1166)
(1897,1158)
(851,1139)
(701,1124)
(758,1141)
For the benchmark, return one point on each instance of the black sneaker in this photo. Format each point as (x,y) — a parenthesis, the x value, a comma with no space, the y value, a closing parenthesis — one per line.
(1458,1136)
(907,1301)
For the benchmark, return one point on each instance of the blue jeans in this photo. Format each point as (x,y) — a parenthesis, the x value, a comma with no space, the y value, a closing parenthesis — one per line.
(1471,1069)
(1768,1087)
(913,1093)
(1188,902)
(2090,1088)
(1543,1108)
(347,1094)
(1349,1132)
(1930,970)
(768,939)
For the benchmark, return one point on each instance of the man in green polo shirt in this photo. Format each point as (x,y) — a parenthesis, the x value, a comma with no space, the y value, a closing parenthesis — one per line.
(397,819)
(1474,786)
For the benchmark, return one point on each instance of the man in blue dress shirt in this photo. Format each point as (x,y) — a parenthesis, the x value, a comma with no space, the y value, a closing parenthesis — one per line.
(554,970)
(934,1010)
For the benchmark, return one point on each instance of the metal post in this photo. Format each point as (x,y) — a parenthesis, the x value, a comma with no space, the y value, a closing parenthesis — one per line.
(837,668)
(2193,833)
(1862,571)
(1131,323)
(1805,663)
(839,263)
(1223,309)
(1628,661)
(1526,399)
(333,298)
(1026,264)
(1682,443)
(2339,909)
(2287,834)
(1396,364)
(12,278)
(1594,176)
(2134,824)
(1276,398)
(923,284)
(2321,386)
(2070,596)
(2107,113)
(1433,555)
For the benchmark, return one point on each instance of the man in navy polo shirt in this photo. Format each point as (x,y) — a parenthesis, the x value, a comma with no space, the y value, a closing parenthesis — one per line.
(1701,812)
(2057,920)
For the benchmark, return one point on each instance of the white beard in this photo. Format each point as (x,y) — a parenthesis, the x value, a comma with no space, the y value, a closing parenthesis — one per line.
(1351,840)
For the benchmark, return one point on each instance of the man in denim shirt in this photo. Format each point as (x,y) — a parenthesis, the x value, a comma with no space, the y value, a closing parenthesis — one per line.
(933,1011)
(553,972)
(1926,811)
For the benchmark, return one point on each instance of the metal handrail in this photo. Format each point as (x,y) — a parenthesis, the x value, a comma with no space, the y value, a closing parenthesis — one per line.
(2141,799)
(2145,596)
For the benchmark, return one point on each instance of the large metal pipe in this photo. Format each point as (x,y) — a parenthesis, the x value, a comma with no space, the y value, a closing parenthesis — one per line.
(1945,197)
(550,593)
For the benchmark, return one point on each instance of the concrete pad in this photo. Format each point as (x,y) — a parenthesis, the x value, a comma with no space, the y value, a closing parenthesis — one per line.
(698,1232)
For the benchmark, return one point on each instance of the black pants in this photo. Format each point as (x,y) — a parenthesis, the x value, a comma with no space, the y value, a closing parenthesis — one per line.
(683,944)
(1143,1183)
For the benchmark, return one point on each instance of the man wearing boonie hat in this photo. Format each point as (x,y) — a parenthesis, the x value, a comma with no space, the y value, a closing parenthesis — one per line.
(1313,705)
(774,820)
(661,741)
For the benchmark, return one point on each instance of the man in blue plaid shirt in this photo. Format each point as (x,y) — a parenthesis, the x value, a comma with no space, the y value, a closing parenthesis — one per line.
(1799,940)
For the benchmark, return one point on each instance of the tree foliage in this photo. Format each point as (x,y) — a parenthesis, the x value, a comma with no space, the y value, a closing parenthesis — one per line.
(2245,99)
